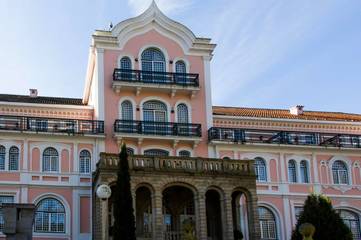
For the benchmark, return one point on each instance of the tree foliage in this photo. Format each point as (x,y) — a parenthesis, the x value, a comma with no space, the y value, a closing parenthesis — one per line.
(318,210)
(124,224)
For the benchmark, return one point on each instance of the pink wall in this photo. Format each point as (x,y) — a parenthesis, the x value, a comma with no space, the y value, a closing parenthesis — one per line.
(84,214)
(133,47)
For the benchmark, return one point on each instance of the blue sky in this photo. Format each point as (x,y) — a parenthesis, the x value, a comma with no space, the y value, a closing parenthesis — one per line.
(270,53)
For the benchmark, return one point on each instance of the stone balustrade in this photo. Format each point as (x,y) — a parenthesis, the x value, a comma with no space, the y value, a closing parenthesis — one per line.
(180,164)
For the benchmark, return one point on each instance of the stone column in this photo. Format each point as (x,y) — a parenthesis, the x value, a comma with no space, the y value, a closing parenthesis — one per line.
(104,217)
(158,216)
(227,202)
(201,216)
(253,221)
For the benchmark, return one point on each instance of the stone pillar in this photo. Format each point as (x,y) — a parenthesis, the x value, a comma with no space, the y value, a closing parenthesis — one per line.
(105,219)
(201,216)
(253,221)
(158,216)
(228,231)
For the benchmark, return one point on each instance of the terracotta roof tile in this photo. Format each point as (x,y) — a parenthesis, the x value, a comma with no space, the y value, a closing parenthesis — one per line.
(285,114)
(40,100)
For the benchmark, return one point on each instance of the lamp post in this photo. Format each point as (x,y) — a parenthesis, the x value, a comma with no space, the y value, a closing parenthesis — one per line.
(104,192)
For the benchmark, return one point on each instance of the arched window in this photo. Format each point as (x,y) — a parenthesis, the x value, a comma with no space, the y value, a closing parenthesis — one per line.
(267,222)
(292,174)
(261,170)
(153,60)
(182,113)
(352,220)
(156,152)
(50,160)
(180,67)
(184,153)
(50,216)
(2,157)
(339,172)
(130,151)
(304,171)
(14,158)
(226,158)
(84,161)
(155,111)
(127,110)
(4,199)
(125,63)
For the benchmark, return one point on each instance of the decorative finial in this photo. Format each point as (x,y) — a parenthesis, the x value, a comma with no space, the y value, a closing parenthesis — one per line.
(110,26)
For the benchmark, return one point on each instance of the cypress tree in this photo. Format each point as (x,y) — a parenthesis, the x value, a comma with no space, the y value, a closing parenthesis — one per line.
(124,224)
(318,211)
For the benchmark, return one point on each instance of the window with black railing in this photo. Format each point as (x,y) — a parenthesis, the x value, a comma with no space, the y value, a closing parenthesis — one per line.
(51,125)
(139,76)
(240,135)
(158,128)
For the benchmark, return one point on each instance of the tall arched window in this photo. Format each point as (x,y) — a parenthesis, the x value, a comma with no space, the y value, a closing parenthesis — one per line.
(153,60)
(130,151)
(352,220)
(304,171)
(50,160)
(155,111)
(13,158)
(182,113)
(180,67)
(267,222)
(156,152)
(84,161)
(50,216)
(184,153)
(127,110)
(2,157)
(339,172)
(125,63)
(261,169)
(292,172)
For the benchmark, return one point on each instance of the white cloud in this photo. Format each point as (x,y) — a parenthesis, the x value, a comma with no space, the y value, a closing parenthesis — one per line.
(167,6)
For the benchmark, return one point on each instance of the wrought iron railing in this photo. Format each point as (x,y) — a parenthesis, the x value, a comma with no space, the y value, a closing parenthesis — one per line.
(181,79)
(158,128)
(239,135)
(180,164)
(51,125)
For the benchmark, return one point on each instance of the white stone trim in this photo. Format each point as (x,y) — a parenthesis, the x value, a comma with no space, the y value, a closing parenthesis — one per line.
(348,164)
(68,214)
(189,106)
(156,46)
(156,99)
(186,62)
(134,104)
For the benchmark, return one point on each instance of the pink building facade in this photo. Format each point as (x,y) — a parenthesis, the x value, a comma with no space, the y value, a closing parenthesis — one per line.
(148,84)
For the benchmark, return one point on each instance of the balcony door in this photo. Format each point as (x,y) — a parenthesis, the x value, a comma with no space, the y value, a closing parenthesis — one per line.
(155,118)
(153,65)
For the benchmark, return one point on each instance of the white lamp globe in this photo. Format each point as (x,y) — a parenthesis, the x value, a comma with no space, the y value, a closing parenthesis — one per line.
(103,192)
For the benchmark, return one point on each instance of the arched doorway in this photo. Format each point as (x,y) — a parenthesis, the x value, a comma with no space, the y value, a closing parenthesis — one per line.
(214,215)
(178,210)
(240,215)
(143,211)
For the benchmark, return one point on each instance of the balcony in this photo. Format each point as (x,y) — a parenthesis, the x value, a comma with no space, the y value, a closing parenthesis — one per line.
(51,125)
(158,130)
(253,136)
(159,81)
(180,164)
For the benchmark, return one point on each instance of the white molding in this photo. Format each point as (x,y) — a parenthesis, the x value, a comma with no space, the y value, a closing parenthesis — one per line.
(68,213)
(189,106)
(157,99)
(348,164)
(156,46)
(208,92)
(186,62)
(130,56)
(134,104)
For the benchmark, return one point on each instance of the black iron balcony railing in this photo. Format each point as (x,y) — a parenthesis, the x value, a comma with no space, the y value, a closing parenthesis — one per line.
(284,137)
(51,125)
(158,128)
(137,76)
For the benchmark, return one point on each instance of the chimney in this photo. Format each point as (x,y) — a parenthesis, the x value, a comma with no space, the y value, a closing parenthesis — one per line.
(33,92)
(296,110)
